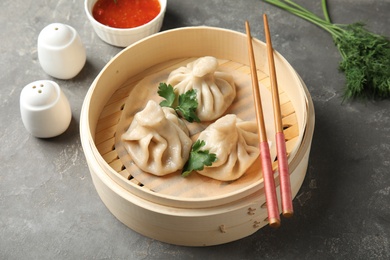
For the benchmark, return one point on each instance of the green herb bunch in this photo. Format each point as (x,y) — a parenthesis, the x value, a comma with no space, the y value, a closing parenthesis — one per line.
(365,55)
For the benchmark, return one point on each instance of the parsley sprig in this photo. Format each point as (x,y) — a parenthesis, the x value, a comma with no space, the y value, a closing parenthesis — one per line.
(365,55)
(198,158)
(185,104)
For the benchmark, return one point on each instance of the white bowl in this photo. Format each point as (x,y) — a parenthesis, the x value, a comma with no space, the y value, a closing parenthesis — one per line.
(124,37)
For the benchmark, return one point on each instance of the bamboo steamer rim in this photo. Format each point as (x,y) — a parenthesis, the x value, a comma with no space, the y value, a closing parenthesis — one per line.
(90,116)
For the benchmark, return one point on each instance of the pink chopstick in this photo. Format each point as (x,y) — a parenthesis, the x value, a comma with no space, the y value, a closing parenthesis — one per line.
(268,175)
(285,186)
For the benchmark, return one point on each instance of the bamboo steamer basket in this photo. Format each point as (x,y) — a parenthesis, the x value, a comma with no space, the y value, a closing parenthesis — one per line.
(232,210)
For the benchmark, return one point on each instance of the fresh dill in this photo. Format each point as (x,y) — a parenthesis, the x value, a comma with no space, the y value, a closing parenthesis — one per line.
(365,55)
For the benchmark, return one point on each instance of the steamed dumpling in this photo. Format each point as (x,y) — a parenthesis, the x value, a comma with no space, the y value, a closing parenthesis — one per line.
(157,140)
(171,115)
(215,90)
(235,142)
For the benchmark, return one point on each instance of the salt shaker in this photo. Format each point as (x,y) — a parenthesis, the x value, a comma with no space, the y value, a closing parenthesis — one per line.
(60,51)
(44,108)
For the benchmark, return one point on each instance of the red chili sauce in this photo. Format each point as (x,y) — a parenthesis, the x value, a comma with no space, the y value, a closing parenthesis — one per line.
(125,13)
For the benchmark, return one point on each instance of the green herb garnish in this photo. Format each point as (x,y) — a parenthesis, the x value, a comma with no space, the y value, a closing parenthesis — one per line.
(198,158)
(365,55)
(185,104)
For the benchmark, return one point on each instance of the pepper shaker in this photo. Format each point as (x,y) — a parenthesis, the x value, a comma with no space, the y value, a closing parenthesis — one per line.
(60,51)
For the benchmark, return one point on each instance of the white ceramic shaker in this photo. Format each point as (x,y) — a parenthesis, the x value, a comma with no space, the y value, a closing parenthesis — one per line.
(60,51)
(45,109)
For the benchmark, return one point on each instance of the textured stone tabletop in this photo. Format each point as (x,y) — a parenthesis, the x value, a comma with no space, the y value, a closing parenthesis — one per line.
(49,208)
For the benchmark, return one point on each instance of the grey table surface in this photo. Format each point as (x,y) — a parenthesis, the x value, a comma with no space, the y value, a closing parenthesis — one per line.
(49,208)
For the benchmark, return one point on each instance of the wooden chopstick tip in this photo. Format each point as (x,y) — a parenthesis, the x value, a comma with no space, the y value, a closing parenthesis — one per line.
(247,28)
(275,223)
(288,214)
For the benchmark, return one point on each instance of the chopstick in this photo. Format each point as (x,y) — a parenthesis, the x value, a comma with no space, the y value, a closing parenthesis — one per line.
(284,176)
(265,156)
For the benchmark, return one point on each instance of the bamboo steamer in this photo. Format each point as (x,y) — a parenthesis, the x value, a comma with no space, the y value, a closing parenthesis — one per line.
(198,211)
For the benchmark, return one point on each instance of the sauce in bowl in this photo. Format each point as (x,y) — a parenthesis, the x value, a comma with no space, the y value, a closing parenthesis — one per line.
(125,13)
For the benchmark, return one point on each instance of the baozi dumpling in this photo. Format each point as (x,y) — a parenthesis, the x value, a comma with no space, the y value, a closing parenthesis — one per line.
(157,140)
(215,90)
(235,143)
